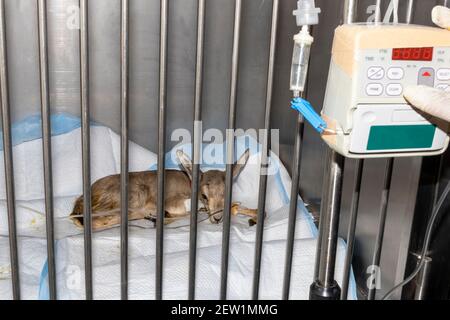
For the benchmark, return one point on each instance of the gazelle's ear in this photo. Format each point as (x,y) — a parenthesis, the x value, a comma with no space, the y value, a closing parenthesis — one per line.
(240,164)
(185,162)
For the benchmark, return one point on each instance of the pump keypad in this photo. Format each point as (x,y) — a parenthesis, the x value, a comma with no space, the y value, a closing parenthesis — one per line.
(383,78)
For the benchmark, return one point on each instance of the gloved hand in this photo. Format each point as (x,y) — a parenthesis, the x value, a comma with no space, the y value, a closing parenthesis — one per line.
(435,102)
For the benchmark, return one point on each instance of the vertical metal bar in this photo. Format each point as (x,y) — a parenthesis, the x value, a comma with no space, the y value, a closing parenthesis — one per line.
(293,207)
(382,221)
(410,11)
(196,147)
(359,167)
(46,144)
(325,287)
(437,184)
(265,153)
(321,232)
(86,149)
(326,274)
(352,227)
(8,156)
(350,11)
(378,11)
(161,148)
(124,61)
(230,151)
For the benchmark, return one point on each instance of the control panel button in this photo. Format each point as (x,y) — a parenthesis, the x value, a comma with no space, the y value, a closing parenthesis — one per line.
(443,74)
(374,89)
(395,73)
(394,89)
(375,73)
(426,77)
(443,86)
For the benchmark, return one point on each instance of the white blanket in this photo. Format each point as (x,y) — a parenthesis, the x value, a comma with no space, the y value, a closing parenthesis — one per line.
(32,256)
(70,273)
(106,250)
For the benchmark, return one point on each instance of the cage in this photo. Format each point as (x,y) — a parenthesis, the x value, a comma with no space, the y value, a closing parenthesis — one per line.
(94,88)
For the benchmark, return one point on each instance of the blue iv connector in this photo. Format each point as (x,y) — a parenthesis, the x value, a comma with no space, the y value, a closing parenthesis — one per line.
(306,109)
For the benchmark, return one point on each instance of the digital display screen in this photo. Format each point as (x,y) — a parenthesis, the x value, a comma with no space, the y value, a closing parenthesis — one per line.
(413,54)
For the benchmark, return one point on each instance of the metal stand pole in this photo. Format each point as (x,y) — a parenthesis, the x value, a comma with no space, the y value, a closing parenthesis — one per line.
(325,287)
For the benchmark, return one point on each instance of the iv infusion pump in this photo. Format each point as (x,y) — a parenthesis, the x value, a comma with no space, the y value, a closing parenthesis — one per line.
(371,65)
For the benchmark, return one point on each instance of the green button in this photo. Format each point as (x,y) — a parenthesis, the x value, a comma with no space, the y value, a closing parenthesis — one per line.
(401,137)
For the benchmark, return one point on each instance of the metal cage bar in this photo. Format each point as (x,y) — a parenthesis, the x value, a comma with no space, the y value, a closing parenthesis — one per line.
(230,151)
(196,146)
(265,154)
(359,168)
(382,222)
(437,184)
(378,11)
(8,156)
(124,69)
(350,16)
(350,11)
(46,144)
(161,148)
(86,153)
(410,11)
(293,206)
(321,224)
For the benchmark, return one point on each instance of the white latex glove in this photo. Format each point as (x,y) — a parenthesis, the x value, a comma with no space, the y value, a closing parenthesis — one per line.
(435,102)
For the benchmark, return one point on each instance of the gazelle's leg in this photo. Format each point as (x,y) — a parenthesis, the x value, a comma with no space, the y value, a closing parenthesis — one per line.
(176,208)
(236,209)
(249,212)
(150,210)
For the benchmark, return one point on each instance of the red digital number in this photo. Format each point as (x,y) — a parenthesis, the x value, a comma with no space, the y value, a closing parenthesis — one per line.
(406,54)
(413,54)
(417,53)
(397,54)
(427,54)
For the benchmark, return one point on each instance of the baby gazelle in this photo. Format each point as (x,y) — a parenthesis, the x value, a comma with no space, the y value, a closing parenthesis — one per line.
(142,188)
